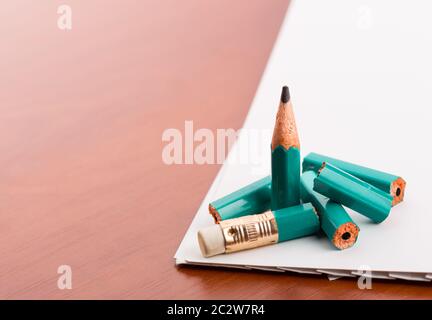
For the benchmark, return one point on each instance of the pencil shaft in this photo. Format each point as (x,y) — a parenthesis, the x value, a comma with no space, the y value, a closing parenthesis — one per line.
(338,226)
(385,181)
(285,180)
(251,199)
(296,221)
(352,192)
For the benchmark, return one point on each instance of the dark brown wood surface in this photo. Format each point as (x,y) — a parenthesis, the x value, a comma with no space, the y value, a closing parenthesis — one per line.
(82,181)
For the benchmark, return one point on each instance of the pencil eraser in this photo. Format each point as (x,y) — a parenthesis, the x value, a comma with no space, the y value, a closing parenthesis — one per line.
(211,241)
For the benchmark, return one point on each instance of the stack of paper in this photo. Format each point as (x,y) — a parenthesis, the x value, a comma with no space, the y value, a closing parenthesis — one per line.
(360,79)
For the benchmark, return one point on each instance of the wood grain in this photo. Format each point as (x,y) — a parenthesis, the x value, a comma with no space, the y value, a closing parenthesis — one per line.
(82,181)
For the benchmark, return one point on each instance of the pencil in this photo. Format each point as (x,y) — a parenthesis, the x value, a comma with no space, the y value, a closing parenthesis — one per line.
(338,226)
(251,199)
(353,193)
(285,156)
(258,230)
(387,182)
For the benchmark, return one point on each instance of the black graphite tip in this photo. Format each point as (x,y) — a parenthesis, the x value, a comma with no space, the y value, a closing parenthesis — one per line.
(398,192)
(346,236)
(285,96)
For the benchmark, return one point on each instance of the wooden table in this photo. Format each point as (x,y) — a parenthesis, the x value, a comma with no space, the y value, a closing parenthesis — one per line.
(82,181)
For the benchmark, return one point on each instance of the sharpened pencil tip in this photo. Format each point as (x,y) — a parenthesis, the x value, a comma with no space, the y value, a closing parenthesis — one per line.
(285,96)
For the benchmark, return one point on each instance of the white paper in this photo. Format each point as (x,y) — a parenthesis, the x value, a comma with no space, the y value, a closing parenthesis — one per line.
(360,76)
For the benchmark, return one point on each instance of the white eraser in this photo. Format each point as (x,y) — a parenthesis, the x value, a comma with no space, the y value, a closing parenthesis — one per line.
(211,241)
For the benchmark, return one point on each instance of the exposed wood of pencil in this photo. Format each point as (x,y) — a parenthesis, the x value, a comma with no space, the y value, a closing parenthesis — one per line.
(398,190)
(285,129)
(345,236)
(215,214)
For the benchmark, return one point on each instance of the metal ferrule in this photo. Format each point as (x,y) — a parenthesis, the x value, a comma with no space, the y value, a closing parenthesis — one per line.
(249,232)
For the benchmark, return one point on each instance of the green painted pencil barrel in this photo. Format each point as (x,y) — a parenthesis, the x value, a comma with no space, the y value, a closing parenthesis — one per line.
(285,178)
(352,192)
(338,226)
(297,221)
(251,199)
(387,182)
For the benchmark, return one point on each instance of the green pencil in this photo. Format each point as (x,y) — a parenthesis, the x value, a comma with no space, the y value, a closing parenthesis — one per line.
(353,193)
(285,157)
(251,199)
(387,182)
(335,221)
